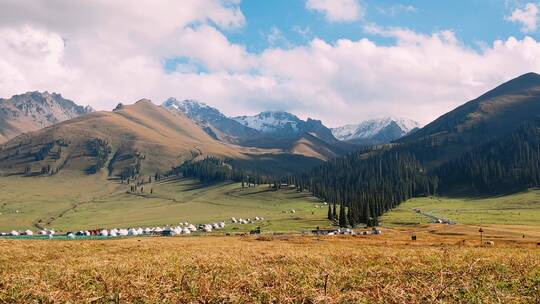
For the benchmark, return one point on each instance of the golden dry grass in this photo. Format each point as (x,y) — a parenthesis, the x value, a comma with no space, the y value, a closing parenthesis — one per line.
(271,269)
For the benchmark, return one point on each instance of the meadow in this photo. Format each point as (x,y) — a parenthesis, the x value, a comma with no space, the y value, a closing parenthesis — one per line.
(71,201)
(446,263)
(388,268)
(516,209)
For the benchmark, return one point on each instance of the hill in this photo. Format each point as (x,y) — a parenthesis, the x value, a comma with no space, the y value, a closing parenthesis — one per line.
(494,114)
(136,138)
(35,110)
(487,146)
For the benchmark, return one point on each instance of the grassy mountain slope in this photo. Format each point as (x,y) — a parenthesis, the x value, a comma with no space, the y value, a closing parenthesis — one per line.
(490,116)
(140,137)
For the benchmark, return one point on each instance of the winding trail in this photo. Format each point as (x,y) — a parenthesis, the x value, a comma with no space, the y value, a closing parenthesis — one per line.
(436,219)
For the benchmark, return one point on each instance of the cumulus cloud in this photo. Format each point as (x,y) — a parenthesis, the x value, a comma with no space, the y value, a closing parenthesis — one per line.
(526,16)
(113,53)
(337,10)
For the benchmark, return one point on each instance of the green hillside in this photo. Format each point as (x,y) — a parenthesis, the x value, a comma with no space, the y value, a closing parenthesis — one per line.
(70,201)
(517,209)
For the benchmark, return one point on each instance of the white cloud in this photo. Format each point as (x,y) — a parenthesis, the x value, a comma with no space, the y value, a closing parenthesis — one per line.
(526,16)
(396,9)
(113,54)
(275,38)
(420,76)
(337,10)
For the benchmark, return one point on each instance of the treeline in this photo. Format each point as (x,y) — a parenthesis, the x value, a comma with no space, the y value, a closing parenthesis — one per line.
(367,185)
(213,169)
(362,186)
(504,165)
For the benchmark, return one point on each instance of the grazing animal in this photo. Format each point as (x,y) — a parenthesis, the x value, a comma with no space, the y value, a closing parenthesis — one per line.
(489,243)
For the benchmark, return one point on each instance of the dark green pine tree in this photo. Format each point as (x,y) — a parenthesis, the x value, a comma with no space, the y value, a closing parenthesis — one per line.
(334,212)
(367,216)
(342,216)
(330,216)
(350,216)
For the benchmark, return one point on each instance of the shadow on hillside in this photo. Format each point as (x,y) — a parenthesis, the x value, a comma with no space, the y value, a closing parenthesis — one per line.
(468,193)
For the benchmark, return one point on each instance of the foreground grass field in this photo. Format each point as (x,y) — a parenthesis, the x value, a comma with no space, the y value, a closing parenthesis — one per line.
(516,209)
(72,202)
(438,268)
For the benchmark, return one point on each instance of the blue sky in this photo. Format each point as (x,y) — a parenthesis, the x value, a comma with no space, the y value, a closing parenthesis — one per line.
(341,61)
(475,22)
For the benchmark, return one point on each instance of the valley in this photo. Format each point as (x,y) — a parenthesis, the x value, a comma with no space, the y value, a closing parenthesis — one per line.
(79,202)
(283,152)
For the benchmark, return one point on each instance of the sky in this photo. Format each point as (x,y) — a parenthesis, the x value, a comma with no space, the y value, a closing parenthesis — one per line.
(341,61)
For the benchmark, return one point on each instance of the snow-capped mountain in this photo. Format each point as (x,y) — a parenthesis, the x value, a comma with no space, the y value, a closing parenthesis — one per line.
(35,110)
(213,122)
(376,131)
(192,108)
(272,122)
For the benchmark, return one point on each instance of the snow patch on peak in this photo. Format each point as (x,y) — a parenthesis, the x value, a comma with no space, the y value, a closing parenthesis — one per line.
(271,121)
(190,107)
(370,128)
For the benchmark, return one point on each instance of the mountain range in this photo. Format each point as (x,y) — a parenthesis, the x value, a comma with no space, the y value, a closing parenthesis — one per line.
(267,130)
(269,127)
(145,138)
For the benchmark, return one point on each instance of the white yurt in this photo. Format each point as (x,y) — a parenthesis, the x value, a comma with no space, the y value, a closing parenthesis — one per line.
(28,232)
(186,230)
(14,233)
(104,232)
(71,236)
